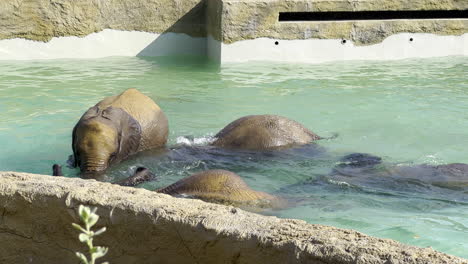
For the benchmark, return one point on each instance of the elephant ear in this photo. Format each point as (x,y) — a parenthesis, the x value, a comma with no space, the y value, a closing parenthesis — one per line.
(129,131)
(92,112)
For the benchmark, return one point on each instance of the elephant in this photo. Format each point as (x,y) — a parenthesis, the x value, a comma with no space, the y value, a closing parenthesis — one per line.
(371,175)
(141,175)
(224,187)
(115,128)
(366,169)
(263,132)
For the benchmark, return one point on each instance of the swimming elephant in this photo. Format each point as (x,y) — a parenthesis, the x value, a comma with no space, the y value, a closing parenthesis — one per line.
(263,132)
(141,175)
(225,187)
(366,169)
(117,127)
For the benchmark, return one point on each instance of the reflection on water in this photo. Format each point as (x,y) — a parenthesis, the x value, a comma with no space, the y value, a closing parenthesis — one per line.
(411,113)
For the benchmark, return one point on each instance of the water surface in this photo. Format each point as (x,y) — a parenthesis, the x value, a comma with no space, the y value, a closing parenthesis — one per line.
(407,112)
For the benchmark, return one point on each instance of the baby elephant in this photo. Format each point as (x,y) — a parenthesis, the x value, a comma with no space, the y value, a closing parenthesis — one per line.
(263,132)
(224,187)
(141,175)
(115,128)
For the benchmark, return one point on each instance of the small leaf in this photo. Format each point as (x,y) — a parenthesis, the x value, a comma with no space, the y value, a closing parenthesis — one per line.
(84,212)
(100,231)
(85,215)
(100,252)
(82,257)
(93,211)
(78,227)
(92,220)
(80,209)
(83,237)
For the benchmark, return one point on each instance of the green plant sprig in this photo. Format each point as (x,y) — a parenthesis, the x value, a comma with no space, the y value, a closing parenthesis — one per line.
(89,218)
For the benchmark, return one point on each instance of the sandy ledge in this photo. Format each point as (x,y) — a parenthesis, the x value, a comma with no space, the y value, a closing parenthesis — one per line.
(147,227)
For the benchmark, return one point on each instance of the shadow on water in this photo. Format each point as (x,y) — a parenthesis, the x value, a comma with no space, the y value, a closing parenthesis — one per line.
(183,63)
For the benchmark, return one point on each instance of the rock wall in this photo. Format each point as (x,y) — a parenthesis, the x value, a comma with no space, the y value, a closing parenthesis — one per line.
(43,19)
(225,20)
(147,227)
(242,20)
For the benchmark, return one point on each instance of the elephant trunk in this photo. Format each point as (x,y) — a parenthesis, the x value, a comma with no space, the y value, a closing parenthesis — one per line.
(90,164)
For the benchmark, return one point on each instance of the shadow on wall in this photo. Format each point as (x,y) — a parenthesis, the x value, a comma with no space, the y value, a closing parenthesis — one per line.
(191,42)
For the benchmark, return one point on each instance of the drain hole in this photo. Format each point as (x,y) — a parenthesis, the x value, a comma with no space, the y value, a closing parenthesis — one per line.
(343,41)
(276,42)
(411,39)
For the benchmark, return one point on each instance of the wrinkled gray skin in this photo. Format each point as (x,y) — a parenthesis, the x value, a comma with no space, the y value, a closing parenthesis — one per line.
(263,132)
(103,137)
(115,128)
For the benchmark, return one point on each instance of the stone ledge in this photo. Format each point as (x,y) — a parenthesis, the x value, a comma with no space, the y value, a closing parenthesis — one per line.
(147,227)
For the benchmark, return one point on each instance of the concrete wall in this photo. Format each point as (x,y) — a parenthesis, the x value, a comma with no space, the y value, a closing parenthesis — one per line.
(251,30)
(51,29)
(242,20)
(225,30)
(44,19)
(147,227)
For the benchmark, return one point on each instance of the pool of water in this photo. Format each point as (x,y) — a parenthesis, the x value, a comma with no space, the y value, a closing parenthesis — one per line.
(407,112)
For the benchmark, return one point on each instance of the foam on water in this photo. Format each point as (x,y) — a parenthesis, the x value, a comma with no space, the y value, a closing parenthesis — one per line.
(193,141)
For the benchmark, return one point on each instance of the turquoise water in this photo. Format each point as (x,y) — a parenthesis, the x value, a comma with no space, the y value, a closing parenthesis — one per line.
(407,112)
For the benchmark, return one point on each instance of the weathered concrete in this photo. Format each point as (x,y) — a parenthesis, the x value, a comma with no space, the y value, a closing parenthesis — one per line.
(251,19)
(43,19)
(225,20)
(211,27)
(147,227)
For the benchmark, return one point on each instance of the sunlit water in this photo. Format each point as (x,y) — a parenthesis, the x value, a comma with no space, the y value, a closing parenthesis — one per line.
(407,112)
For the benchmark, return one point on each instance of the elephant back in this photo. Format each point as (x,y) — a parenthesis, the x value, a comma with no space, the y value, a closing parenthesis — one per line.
(221,186)
(153,121)
(263,132)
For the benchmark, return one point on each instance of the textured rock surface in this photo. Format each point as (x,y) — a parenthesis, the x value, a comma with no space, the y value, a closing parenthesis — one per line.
(44,19)
(259,18)
(147,227)
(225,20)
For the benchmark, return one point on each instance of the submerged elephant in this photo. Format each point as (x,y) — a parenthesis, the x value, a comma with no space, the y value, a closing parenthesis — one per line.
(263,132)
(141,175)
(365,169)
(225,187)
(117,127)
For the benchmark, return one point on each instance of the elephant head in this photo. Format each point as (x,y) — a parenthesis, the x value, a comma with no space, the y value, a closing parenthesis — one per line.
(104,136)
